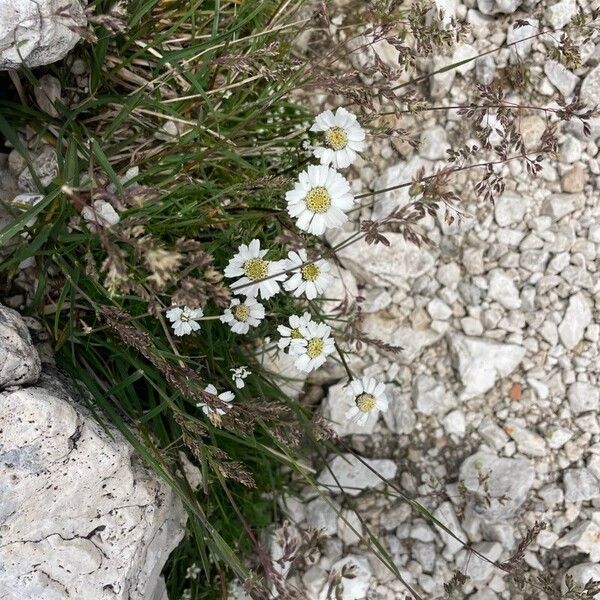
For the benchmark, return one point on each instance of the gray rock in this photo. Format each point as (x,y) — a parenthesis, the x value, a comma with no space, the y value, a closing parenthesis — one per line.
(400,417)
(503,289)
(348,474)
(81,515)
(560,77)
(522,39)
(424,553)
(590,88)
(35,32)
(477,569)
(19,360)
(528,442)
(533,260)
(402,172)
(577,317)
(441,80)
(349,527)
(582,574)
(485,69)
(322,514)
(559,205)
(428,394)
(433,144)
(560,14)
(356,587)
(45,164)
(386,265)
(47,93)
(454,422)
(446,515)
(580,485)
(480,362)
(494,7)
(499,485)
(583,397)
(585,537)
(509,208)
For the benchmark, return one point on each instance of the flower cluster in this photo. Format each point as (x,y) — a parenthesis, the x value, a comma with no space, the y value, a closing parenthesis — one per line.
(320,200)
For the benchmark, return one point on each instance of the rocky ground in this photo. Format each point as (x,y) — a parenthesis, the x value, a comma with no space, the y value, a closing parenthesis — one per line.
(493,421)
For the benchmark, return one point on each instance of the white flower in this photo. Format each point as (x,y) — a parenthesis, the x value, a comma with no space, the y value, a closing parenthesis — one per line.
(243,315)
(313,347)
(192,572)
(288,334)
(311,279)
(184,319)
(239,374)
(225,397)
(320,199)
(344,138)
(366,396)
(250,266)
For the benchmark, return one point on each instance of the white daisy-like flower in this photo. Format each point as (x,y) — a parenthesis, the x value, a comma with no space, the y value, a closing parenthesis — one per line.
(184,320)
(320,199)
(239,374)
(225,397)
(293,332)
(366,396)
(311,279)
(344,138)
(256,274)
(241,315)
(313,348)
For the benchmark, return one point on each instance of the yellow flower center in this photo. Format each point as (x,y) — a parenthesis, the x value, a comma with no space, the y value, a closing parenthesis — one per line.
(318,200)
(365,402)
(295,334)
(241,312)
(310,272)
(315,347)
(336,138)
(255,268)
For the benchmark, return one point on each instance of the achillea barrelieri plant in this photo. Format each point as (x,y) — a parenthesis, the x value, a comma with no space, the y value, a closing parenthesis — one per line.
(161,285)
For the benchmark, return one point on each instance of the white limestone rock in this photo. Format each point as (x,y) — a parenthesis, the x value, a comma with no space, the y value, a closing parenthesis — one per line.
(580,485)
(498,486)
(585,537)
(355,587)
(583,397)
(33,33)
(577,317)
(428,394)
(394,331)
(590,88)
(348,474)
(403,172)
(399,417)
(19,360)
(481,362)
(509,208)
(382,265)
(582,574)
(81,516)
(446,515)
(493,7)
(502,288)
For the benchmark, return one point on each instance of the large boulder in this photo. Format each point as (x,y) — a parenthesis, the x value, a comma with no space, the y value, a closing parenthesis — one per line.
(38,32)
(80,515)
